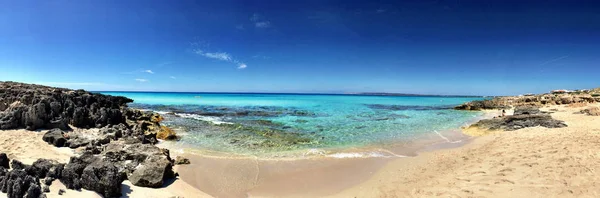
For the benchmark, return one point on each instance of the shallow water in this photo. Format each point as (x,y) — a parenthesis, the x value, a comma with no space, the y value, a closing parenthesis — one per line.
(272,124)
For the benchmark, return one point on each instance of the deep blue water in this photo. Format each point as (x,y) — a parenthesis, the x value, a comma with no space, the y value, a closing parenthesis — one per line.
(270,123)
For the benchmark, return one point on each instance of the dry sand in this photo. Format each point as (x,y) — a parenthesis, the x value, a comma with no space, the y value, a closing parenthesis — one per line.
(531,162)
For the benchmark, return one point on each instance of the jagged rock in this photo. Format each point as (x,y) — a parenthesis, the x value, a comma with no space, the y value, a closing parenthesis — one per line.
(45,168)
(166,133)
(61,191)
(4,161)
(102,177)
(55,137)
(71,174)
(77,142)
(16,164)
(181,160)
(495,103)
(526,117)
(36,106)
(34,191)
(17,184)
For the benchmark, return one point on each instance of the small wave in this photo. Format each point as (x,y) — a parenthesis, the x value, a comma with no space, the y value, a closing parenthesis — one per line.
(214,120)
(162,112)
(372,154)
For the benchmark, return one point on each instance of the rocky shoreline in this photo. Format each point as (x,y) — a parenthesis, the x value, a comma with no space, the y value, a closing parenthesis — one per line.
(113,142)
(526,110)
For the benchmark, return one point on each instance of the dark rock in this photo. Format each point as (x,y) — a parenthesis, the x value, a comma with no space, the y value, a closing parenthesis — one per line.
(71,174)
(77,142)
(61,192)
(18,184)
(55,137)
(45,168)
(36,106)
(406,107)
(16,164)
(496,103)
(181,160)
(102,177)
(34,191)
(4,161)
(526,117)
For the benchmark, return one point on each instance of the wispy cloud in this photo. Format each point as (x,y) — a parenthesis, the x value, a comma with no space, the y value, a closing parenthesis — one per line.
(217,55)
(148,71)
(141,80)
(259,21)
(554,60)
(222,56)
(172,77)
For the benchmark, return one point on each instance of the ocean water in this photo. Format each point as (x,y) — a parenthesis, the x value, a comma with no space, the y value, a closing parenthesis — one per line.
(271,124)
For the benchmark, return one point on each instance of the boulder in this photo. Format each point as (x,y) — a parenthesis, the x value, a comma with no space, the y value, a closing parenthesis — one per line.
(71,174)
(4,161)
(42,168)
(592,111)
(166,133)
(18,184)
(102,177)
(16,164)
(55,137)
(181,160)
(152,172)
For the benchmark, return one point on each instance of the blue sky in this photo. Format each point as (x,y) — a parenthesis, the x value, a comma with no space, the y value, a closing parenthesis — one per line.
(430,47)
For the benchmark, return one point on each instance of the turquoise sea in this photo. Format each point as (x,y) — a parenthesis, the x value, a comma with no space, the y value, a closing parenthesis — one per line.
(271,124)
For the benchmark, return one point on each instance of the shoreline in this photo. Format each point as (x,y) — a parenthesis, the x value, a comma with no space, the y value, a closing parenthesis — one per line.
(315,175)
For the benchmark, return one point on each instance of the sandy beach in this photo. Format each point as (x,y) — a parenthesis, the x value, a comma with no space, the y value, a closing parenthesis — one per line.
(530,162)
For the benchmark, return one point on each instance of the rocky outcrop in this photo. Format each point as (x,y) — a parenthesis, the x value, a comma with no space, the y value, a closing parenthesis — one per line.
(119,145)
(34,106)
(18,183)
(495,103)
(507,102)
(523,117)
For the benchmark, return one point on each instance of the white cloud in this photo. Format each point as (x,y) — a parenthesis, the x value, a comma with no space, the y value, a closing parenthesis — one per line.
(263,24)
(149,71)
(141,80)
(223,56)
(172,77)
(218,55)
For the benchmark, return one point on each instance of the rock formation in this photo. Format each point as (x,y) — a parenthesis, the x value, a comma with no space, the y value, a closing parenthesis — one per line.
(507,102)
(117,142)
(522,118)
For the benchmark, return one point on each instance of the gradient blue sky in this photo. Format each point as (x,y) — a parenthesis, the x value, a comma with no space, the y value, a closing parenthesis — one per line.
(430,47)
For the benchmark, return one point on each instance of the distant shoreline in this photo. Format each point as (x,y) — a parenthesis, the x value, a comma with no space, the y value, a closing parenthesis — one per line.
(322,94)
